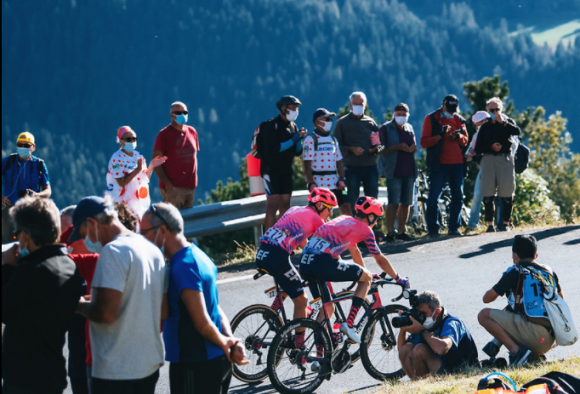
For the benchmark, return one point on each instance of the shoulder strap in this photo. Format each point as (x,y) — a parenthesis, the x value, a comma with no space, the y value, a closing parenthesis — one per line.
(40,169)
(9,163)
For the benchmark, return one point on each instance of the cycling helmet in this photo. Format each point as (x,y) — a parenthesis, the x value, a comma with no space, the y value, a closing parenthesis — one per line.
(368,205)
(287,100)
(322,195)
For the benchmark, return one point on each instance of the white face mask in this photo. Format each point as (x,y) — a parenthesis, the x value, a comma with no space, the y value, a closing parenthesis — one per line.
(291,115)
(401,120)
(93,247)
(429,322)
(327,126)
(358,110)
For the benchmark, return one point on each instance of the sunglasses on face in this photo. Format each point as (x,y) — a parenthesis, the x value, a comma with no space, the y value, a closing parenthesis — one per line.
(20,145)
(180,112)
(326,119)
(492,110)
(129,139)
(327,207)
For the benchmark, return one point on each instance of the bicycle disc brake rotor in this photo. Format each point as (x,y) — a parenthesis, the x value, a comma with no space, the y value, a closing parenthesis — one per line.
(387,343)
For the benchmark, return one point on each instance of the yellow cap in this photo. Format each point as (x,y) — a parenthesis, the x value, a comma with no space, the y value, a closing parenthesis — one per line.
(25,137)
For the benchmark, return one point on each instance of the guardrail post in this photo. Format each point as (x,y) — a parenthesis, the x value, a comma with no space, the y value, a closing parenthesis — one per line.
(257,235)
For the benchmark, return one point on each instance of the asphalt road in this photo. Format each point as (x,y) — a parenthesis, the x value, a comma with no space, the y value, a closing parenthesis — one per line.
(460,270)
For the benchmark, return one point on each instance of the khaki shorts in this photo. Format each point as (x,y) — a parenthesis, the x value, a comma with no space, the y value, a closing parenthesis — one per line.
(179,197)
(535,337)
(497,172)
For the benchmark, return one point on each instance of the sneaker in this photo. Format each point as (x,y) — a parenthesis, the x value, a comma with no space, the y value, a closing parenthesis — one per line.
(470,231)
(315,367)
(390,238)
(491,349)
(502,227)
(520,357)
(455,233)
(490,229)
(349,332)
(402,237)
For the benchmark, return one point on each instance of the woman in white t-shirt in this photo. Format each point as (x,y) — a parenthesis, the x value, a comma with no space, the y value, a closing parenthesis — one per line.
(128,175)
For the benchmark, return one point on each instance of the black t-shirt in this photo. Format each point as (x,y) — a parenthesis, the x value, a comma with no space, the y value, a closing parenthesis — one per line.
(275,132)
(490,133)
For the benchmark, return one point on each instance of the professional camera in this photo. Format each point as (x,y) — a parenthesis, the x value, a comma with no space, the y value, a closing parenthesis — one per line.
(404,320)
(23,193)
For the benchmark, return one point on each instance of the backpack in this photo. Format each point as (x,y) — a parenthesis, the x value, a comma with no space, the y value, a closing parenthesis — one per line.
(315,140)
(257,147)
(522,158)
(12,158)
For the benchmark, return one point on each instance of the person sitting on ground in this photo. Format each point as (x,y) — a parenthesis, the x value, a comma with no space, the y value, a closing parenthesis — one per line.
(442,344)
(128,175)
(290,232)
(524,327)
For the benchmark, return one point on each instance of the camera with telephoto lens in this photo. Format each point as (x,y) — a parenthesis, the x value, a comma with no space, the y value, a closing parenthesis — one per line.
(404,320)
(23,193)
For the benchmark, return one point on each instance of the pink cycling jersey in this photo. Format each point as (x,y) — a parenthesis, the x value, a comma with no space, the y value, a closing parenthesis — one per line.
(341,234)
(293,228)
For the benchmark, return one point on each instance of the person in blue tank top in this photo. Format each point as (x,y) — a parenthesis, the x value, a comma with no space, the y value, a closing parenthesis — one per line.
(523,327)
(197,334)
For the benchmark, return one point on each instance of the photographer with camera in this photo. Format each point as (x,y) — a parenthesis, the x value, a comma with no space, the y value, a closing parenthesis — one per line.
(439,342)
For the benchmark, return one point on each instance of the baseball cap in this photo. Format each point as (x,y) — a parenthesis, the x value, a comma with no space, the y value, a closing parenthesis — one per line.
(402,107)
(25,137)
(88,207)
(321,112)
(451,102)
(122,131)
(479,116)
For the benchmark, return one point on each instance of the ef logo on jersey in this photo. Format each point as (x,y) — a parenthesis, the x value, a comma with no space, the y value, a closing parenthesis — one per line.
(307,258)
(262,254)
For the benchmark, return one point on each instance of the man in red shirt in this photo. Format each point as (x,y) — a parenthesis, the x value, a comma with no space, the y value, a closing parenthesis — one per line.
(443,136)
(180,143)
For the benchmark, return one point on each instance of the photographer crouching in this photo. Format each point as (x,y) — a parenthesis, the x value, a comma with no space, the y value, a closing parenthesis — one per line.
(439,342)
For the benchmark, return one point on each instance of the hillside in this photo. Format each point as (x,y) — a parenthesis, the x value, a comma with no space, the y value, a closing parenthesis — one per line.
(73,72)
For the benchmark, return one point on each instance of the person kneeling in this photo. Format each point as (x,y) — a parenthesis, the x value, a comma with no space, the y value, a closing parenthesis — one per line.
(441,344)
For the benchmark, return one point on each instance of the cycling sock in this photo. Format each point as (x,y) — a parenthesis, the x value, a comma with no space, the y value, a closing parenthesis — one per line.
(356,304)
(489,209)
(319,350)
(277,302)
(299,340)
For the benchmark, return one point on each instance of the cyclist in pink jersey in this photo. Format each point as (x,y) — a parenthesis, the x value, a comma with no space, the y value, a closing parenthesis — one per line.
(291,231)
(321,256)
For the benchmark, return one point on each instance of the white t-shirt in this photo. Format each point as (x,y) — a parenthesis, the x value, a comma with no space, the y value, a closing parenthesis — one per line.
(131,347)
(324,159)
(136,193)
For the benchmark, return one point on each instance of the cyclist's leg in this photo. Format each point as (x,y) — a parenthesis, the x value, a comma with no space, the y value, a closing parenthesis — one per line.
(362,289)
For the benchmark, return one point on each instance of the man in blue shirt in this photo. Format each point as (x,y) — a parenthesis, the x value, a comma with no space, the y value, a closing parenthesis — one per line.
(441,344)
(22,175)
(197,334)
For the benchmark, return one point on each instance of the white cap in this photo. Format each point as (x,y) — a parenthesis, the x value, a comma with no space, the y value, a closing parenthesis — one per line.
(479,116)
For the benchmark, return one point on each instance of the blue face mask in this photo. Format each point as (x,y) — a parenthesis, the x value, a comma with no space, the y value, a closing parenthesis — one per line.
(23,152)
(130,146)
(181,119)
(93,247)
(23,252)
(447,115)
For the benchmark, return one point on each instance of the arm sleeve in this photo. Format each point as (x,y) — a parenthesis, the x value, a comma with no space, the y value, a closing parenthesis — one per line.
(511,128)
(187,278)
(299,146)
(463,136)
(18,284)
(159,143)
(427,140)
(290,143)
(338,134)
(111,271)
(371,243)
(308,151)
(44,181)
(452,329)
(508,281)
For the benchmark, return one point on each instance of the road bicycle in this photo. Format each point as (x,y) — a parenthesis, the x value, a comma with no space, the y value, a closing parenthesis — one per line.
(291,369)
(256,325)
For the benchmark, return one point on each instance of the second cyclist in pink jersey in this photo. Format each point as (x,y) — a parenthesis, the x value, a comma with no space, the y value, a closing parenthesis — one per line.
(321,256)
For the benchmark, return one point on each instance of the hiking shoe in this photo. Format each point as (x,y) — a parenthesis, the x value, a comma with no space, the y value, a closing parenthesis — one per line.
(455,233)
(349,332)
(490,229)
(402,237)
(503,227)
(520,357)
(390,238)
(315,367)
(491,349)
(470,231)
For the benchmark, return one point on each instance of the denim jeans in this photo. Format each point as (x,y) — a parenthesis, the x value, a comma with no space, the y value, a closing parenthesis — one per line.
(368,175)
(436,181)
(476,206)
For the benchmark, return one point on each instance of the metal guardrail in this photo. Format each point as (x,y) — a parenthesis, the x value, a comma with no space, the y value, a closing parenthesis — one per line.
(234,215)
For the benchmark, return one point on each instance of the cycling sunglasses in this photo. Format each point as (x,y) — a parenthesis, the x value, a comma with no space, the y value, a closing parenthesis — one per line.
(129,139)
(180,112)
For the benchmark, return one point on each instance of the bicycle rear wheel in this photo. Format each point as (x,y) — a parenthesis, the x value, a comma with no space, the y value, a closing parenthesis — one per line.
(256,326)
(379,353)
(290,369)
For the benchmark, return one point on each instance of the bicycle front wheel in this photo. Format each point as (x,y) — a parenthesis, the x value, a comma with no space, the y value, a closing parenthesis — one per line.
(341,314)
(256,326)
(379,353)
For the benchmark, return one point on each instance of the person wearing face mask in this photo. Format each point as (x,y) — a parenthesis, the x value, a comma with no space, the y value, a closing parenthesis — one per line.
(198,338)
(353,133)
(397,164)
(179,142)
(282,141)
(23,174)
(128,176)
(323,164)
(125,307)
(444,136)
(442,344)
(496,142)
(40,292)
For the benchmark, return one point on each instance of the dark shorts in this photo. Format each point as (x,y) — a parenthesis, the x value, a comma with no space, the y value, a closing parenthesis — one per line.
(137,386)
(341,196)
(277,184)
(400,190)
(326,269)
(203,377)
(277,262)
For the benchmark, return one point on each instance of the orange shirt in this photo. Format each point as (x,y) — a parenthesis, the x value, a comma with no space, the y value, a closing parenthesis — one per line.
(451,152)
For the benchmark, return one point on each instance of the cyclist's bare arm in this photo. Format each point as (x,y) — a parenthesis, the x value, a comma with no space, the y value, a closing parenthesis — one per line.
(385,265)
(356,256)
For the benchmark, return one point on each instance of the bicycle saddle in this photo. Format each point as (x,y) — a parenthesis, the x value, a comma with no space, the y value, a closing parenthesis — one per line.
(261,272)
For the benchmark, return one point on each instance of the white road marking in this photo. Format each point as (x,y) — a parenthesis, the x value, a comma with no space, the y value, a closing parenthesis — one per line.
(236,279)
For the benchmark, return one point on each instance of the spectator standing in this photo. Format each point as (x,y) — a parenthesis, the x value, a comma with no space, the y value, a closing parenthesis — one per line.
(323,166)
(353,132)
(281,142)
(495,142)
(523,328)
(40,291)
(22,175)
(197,334)
(443,136)
(125,306)
(180,144)
(397,164)
(128,175)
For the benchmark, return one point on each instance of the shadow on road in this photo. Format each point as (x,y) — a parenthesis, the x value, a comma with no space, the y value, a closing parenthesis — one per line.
(573,242)
(540,235)
(252,388)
